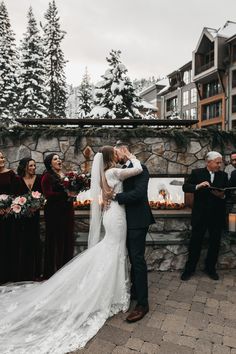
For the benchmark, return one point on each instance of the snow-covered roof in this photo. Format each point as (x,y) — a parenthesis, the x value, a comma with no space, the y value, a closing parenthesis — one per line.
(162,82)
(147,89)
(147,105)
(160,93)
(227,30)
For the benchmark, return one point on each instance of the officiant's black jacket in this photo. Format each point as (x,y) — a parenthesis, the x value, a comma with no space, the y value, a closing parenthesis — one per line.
(205,203)
(134,196)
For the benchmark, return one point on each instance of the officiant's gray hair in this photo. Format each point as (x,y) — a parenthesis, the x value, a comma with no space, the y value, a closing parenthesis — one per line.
(212,155)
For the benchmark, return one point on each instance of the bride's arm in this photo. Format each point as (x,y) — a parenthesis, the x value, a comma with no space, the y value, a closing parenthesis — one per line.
(135,170)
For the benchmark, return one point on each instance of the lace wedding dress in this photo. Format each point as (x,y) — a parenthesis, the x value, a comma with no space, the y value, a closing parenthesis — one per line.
(64,312)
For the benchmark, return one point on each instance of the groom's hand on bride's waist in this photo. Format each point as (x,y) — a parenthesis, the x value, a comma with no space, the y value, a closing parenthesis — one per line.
(106,204)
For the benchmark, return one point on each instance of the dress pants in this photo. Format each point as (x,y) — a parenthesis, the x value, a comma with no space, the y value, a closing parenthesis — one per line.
(214,229)
(136,240)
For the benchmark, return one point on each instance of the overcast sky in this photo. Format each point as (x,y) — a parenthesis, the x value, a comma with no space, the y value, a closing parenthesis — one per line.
(155,36)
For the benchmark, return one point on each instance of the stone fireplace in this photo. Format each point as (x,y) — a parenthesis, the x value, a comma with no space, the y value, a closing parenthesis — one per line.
(167,161)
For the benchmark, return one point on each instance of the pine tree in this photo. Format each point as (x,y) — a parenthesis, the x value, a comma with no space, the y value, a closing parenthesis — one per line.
(33,98)
(72,102)
(8,69)
(55,63)
(115,96)
(85,96)
(143,83)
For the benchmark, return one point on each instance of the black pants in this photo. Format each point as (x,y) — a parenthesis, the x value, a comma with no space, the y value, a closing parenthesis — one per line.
(195,245)
(136,239)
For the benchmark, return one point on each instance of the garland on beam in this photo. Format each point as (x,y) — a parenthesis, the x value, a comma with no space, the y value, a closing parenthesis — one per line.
(182,136)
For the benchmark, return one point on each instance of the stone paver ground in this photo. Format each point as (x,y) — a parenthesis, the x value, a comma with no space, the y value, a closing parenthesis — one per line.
(194,317)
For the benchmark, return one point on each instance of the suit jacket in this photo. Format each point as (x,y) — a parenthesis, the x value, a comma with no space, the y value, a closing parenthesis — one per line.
(232,181)
(206,205)
(134,196)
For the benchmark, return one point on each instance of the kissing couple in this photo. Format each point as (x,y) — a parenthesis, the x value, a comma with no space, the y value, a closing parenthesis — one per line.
(63,313)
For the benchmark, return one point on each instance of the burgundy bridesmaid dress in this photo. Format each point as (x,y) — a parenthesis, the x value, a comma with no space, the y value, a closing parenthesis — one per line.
(9,241)
(30,244)
(59,220)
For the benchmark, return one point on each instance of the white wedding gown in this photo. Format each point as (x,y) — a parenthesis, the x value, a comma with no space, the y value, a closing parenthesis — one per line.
(64,312)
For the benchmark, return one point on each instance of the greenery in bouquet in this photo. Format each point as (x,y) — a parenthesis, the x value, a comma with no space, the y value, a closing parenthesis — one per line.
(5,203)
(27,204)
(76,182)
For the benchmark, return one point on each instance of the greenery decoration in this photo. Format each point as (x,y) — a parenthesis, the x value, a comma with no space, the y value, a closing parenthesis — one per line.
(218,139)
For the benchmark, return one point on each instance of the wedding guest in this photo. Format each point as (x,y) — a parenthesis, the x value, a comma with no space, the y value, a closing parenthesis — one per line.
(29,227)
(232,166)
(208,214)
(8,239)
(59,217)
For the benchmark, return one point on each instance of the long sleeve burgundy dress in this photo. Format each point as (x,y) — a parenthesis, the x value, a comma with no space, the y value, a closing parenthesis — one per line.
(30,243)
(59,220)
(9,241)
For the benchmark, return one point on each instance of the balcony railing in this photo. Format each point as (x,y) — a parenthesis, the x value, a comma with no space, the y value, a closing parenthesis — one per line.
(202,68)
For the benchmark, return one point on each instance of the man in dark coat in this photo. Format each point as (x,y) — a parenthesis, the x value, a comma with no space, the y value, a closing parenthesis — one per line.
(208,213)
(139,217)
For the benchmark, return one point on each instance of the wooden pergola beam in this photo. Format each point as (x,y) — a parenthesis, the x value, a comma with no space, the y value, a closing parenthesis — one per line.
(108,122)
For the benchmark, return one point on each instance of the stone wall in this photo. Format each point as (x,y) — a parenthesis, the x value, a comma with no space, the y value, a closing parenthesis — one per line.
(161,155)
(167,242)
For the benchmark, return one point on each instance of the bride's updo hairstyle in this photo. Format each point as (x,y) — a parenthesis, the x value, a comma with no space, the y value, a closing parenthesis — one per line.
(108,156)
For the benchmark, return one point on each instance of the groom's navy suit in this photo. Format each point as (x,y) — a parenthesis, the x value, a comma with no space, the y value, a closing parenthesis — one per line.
(139,217)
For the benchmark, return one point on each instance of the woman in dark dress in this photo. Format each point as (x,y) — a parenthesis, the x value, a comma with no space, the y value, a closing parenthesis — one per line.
(8,237)
(29,227)
(59,218)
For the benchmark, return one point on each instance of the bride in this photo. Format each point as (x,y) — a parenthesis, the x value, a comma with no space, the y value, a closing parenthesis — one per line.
(64,312)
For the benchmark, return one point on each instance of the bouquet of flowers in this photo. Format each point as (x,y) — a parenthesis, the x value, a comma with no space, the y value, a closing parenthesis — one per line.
(27,204)
(5,203)
(75,182)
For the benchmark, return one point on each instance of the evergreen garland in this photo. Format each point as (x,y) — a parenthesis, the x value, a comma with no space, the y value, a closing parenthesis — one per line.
(182,137)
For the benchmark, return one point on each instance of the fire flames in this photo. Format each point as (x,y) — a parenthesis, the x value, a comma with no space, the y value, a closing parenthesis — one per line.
(82,205)
(165,204)
(162,205)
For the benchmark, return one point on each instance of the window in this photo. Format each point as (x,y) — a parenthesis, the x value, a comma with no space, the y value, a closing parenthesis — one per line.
(234,53)
(234,104)
(171,104)
(211,89)
(193,95)
(233,78)
(193,113)
(186,114)
(185,98)
(212,110)
(186,77)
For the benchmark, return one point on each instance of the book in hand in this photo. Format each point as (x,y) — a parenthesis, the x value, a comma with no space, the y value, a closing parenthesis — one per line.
(213,188)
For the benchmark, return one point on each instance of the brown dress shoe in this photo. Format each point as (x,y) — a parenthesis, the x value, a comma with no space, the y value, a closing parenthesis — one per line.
(138,313)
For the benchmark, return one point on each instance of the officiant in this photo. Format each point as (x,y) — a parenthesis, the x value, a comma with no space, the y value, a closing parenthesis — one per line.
(208,214)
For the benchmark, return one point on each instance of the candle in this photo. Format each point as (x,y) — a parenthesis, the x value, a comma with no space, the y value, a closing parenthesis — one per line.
(232,222)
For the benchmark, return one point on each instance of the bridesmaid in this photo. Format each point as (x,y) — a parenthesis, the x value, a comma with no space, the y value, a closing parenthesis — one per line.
(8,238)
(30,243)
(59,218)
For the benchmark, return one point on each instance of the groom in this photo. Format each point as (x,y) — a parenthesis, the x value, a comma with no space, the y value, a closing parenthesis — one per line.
(139,217)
